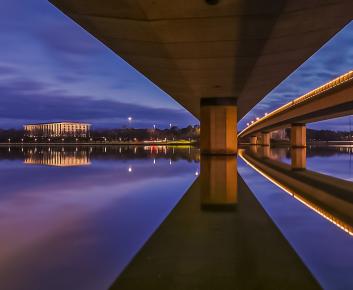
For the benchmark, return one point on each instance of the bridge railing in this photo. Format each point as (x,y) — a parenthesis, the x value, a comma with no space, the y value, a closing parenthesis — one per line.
(322,89)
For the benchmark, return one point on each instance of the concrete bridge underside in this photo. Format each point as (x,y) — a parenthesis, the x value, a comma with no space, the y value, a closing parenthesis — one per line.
(229,49)
(335,103)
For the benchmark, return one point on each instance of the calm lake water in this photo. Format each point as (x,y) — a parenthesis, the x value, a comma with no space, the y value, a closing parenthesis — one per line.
(73,218)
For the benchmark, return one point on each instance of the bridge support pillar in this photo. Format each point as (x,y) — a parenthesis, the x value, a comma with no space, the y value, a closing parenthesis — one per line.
(298,135)
(218,126)
(253,140)
(265,139)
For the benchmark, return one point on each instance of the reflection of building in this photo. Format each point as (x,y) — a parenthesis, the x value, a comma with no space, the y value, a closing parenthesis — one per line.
(57,158)
(58,129)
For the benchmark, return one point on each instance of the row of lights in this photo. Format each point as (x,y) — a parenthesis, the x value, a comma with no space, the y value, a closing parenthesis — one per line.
(257,119)
(154,125)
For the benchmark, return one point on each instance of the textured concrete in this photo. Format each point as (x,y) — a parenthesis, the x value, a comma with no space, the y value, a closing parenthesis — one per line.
(265,139)
(298,135)
(203,249)
(192,50)
(218,130)
(331,103)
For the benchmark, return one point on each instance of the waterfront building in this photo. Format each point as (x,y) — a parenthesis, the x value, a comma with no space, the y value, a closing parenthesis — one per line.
(58,129)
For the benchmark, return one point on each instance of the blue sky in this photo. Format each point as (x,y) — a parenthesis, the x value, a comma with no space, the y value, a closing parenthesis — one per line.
(51,69)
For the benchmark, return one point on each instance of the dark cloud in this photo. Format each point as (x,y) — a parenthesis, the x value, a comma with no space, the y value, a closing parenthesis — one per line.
(33,101)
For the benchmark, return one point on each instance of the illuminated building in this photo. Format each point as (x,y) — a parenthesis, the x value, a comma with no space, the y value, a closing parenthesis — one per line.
(58,129)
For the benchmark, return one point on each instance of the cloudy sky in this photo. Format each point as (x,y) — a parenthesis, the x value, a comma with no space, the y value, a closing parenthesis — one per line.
(51,69)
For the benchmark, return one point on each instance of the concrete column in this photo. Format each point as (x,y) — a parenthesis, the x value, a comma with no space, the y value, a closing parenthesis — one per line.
(218,134)
(253,140)
(298,155)
(298,135)
(265,139)
(219,183)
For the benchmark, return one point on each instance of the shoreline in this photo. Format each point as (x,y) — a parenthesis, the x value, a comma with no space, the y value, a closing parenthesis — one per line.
(171,143)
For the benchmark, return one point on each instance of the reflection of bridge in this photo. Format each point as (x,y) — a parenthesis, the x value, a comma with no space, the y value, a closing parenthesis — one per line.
(330,197)
(334,99)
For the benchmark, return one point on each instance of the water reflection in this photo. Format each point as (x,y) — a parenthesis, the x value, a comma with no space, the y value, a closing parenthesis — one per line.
(330,197)
(77,227)
(219,182)
(316,215)
(57,157)
(217,245)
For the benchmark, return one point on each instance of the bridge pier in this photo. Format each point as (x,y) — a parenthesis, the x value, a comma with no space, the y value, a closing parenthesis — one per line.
(218,126)
(253,140)
(298,135)
(265,139)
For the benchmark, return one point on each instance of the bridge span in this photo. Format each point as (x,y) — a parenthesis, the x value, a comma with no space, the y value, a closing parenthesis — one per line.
(217,58)
(331,100)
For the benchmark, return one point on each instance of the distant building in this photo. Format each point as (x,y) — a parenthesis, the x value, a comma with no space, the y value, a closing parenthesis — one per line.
(58,129)
(279,134)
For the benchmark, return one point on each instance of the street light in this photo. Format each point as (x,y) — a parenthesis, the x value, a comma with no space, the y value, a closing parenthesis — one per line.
(170,125)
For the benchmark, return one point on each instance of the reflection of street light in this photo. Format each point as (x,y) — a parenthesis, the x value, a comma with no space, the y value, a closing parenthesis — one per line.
(130,169)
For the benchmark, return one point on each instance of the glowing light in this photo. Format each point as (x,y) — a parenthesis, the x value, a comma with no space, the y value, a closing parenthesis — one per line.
(196,173)
(257,118)
(247,124)
(129,119)
(130,169)
(329,217)
(154,160)
(322,89)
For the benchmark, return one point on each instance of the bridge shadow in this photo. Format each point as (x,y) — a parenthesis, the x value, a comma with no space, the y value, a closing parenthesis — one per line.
(217,237)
